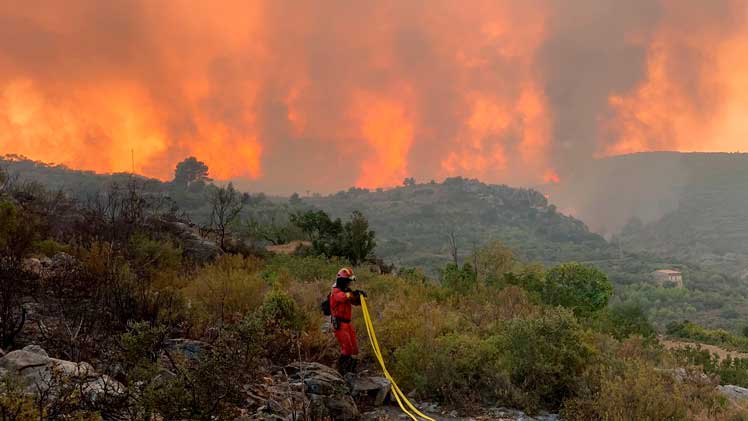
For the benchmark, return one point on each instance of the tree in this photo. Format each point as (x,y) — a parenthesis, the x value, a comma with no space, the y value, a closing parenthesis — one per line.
(226,205)
(493,261)
(352,240)
(359,239)
(584,289)
(189,171)
(453,252)
(458,279)
(19,230)
(410,181)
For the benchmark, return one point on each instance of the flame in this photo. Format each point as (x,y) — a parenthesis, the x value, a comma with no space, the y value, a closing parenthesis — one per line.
(389,132)
(322,96)
(551,177)
(687,105)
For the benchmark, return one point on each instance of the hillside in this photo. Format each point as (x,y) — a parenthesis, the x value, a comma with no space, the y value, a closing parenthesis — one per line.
(414,225)
(691,206)
(160,333)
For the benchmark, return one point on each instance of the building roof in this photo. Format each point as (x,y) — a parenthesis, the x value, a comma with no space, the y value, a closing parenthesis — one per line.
(668,272)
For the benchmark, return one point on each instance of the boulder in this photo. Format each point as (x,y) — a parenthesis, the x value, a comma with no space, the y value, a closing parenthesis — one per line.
(189,348)
(195,246)
(370,388)
(38,372)
(328,392)
(734,393)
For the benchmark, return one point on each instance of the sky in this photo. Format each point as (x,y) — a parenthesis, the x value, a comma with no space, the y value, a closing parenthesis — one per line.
(322,95)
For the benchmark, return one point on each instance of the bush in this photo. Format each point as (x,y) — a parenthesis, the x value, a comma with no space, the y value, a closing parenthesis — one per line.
(545,356)
(277,325)
(460,369)
(630,391)
(719,337)
(627,320)
(581,288)
(225,291)
(50,247)
(635,389)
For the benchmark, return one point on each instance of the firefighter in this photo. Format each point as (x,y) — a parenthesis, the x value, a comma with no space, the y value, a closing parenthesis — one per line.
(342,298)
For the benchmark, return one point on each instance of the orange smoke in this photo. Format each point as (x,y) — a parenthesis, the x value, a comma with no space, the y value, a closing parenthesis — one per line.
(694,103)
(302,95)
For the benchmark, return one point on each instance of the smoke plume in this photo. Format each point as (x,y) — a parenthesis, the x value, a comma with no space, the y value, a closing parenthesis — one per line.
(320,95)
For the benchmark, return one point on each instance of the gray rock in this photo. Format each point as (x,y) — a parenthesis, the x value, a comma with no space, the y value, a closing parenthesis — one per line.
(36,349)
(23,360)
(190,348)
(196,247)
(328,392)
(38,372)
(377,388)
(735,393)
(33,265)
(62,260)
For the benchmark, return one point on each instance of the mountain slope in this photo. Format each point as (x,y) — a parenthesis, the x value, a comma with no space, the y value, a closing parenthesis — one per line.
(414,223)
(692,206)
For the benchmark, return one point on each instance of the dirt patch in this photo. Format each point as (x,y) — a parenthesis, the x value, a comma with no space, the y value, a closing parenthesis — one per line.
(722,353)
(288,248)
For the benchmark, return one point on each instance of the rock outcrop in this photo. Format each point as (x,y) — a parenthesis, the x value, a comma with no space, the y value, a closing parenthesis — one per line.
(195,246)
(38,372)
(303,391)
(735,393)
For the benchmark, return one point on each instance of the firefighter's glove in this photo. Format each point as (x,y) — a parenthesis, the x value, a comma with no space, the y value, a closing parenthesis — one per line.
(361,293)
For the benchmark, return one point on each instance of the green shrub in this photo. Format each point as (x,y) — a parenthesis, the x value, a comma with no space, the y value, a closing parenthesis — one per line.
(459,280)
(632,390)
(462,370)
(545,356)
(277,325)
(719,337)
(50,247)
(628,319)
(225,291)
(581,288)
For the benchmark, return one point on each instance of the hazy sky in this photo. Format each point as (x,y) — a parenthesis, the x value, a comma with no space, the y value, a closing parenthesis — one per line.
(321,95)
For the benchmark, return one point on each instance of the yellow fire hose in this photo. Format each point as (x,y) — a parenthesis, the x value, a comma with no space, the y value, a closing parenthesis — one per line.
(400,397)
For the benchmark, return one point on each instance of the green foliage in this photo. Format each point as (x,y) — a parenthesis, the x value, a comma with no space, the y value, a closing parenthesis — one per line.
(226,206)
(730,370)
(583,289)
(353,241)
(225,291)
(206,386)
(545,356)
(50,247)
(15,404)
(358,239)
(627,320)
(459,369)
(459,279)
(412,275)
(633,390)
(18,231)
(494,261)
(719,337)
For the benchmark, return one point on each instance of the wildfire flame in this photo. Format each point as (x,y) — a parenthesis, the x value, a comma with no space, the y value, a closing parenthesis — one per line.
(308,95)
